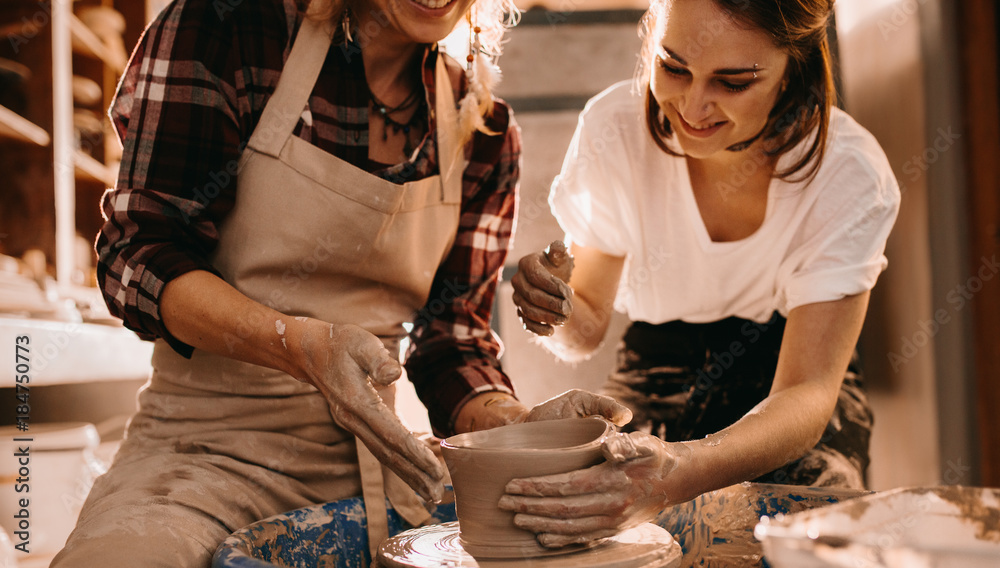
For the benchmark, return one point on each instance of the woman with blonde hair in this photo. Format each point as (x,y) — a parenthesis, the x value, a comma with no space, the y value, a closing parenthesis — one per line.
(739,219)
(302,187)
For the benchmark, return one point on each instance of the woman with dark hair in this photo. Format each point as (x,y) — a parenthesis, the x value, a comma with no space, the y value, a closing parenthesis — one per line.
(302,185)
(740,220)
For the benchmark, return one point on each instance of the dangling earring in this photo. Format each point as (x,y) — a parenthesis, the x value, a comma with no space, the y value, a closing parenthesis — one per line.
(754,70)
(345,24)
(475,46)
(482,77)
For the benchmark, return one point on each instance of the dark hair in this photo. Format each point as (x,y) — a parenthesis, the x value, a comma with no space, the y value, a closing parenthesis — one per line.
(797,27)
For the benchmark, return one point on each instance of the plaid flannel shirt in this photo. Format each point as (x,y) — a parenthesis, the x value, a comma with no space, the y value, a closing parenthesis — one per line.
(193,91)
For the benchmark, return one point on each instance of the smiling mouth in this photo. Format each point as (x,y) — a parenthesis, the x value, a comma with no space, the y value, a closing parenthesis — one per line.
(702,131)
(702,128)
(433,4)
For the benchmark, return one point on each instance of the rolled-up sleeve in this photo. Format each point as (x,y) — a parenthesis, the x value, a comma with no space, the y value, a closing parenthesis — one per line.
(181,114)
(454,353)
(840,251)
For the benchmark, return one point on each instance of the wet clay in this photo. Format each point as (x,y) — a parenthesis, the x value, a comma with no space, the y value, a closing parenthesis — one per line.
(481,464)
(436,546)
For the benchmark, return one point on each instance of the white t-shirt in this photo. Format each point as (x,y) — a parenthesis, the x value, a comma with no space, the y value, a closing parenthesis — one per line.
(620,193)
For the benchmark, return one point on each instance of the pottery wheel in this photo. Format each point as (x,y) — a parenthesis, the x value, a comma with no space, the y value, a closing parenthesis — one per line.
(437,546)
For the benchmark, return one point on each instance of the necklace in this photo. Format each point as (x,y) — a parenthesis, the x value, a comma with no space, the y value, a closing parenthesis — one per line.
(386,112)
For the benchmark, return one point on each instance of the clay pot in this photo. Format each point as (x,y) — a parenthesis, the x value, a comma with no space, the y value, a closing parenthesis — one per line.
(481,464)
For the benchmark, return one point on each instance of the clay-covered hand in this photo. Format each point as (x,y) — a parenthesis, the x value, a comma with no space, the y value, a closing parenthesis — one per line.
(541,290)
(493,409)
(630,488)
(577,403)
(344,362)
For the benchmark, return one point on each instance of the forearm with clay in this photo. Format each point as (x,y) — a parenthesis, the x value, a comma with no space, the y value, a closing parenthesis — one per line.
(583,331)
(782,428)
(207,313)
(344,362)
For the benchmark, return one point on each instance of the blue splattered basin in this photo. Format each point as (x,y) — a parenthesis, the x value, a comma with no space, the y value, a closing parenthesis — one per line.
(331,535)
(717,528)
(714,529)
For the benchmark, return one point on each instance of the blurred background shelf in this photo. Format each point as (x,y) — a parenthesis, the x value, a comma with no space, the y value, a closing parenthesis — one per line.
(89,169)
(86,42)
(13,125)
(68,352)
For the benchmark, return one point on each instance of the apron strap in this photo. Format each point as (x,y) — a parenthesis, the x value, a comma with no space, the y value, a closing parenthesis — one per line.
(374,497)
(275,127)
(404,500)
(378,482)
(298,77)
(451,158)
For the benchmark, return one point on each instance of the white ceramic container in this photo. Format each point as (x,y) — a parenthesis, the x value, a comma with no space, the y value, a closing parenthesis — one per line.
(925,527)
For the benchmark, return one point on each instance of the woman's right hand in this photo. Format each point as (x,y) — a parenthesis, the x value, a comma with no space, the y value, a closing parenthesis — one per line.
(345,362)
(631,487)
(541,290)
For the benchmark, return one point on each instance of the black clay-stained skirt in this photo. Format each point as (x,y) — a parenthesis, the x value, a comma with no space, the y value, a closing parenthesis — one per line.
(684,381)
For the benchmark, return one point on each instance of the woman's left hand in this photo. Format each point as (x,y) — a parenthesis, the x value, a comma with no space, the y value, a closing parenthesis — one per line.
(630,488)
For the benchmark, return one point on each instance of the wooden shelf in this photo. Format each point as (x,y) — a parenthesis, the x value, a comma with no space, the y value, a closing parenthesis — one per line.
(87,168)
(86,42)
(13,125)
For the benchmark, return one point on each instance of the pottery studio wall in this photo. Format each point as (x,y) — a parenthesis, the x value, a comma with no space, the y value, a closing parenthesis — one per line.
(900,79)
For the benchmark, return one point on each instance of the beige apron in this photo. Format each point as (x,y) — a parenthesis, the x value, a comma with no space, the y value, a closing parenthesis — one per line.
(309,235)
